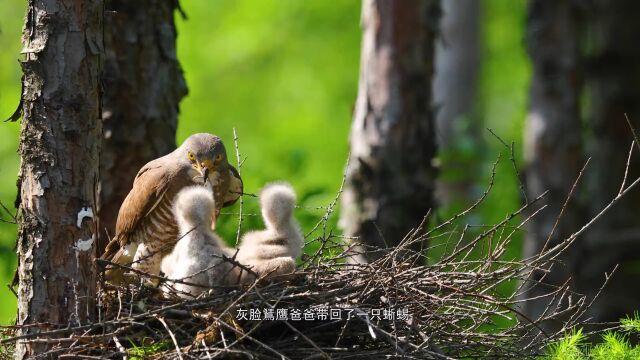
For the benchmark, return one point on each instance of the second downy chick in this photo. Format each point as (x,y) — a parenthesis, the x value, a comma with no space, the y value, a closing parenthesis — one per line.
(273,251)
(198,255)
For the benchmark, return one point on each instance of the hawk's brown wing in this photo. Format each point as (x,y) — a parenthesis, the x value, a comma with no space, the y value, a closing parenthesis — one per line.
(149,187)
(235,187)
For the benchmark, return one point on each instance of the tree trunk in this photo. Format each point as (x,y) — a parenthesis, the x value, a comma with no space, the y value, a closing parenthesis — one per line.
(615,88)
(143,87)
(454,93)
(59,149)
(390,177)
(552,139)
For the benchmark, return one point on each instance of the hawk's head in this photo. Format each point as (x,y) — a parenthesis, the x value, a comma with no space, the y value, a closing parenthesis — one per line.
(205,154)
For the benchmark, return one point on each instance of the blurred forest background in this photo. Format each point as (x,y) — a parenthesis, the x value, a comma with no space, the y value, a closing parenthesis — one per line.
(285,75)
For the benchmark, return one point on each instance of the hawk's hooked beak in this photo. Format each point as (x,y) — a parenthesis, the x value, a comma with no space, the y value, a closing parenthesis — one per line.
(205,174)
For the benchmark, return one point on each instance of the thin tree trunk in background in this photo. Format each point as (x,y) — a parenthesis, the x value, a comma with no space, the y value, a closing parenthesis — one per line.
(552,138)
(143,86)
(390,177)
(615,88)
(454,92)
(59,149)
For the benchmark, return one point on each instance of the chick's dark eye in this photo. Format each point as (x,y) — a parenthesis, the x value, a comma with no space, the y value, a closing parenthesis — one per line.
(219,157)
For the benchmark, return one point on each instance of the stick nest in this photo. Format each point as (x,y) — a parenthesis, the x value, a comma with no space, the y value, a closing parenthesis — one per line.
(456,307)
(461,305)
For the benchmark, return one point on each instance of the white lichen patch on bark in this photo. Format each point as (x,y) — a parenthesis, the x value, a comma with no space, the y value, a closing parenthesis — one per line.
(85,212)
(84,245)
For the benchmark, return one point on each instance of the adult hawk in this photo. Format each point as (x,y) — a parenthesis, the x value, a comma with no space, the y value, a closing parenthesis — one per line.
(146,229)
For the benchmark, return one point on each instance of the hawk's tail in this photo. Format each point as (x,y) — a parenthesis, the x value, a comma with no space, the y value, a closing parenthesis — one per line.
(116,255)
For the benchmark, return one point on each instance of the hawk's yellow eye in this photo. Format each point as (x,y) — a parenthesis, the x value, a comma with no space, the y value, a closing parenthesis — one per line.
(191,156)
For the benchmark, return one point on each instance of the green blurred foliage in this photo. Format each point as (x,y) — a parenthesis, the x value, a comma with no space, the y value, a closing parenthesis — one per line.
(11,13)
(618,344)
(501,107)
(284,75)
(141,352)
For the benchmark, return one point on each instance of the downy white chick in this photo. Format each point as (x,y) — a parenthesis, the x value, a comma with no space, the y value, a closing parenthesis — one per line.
(274,250)
(197,256)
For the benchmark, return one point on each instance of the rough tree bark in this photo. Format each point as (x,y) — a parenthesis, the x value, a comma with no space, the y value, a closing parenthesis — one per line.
(390,177)
(552,138)
(143,86)
(59,149)
(454,93)
(615,88)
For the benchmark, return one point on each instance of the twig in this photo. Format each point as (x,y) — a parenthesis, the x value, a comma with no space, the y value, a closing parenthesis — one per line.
(173,337)
(240,217)
(633,130)
(556,250)
(566,203)
(120,348)
(626,168)
(512,157)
